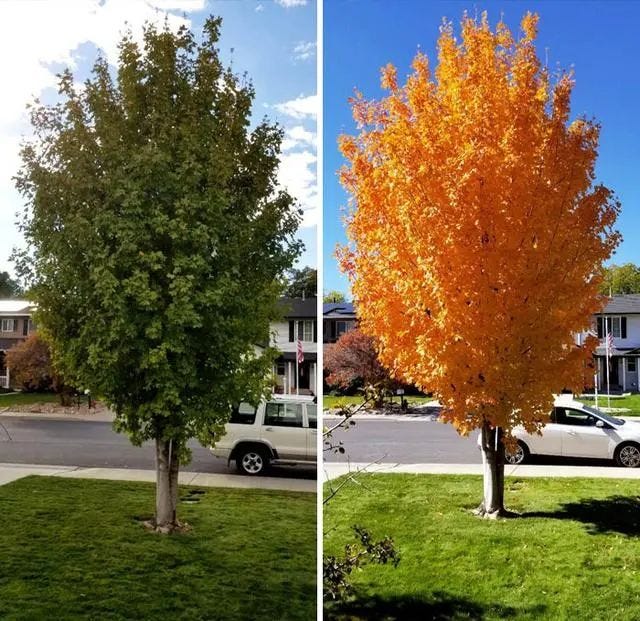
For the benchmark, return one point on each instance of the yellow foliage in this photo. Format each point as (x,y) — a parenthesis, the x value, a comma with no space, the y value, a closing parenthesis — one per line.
(477,234)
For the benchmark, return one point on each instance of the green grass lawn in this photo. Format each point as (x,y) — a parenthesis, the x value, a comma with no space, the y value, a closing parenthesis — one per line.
(27,398)
(76,549)
(329,401)
(573,555)
(632,402)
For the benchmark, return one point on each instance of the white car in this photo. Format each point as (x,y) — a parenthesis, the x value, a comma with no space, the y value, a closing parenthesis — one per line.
(280,431)
(578,430)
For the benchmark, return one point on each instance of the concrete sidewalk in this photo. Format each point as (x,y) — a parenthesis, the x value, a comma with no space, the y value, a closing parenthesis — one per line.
(334,470)
(12,472)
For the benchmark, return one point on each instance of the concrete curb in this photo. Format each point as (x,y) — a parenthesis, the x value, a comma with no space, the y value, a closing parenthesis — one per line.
(405,418)
(334,470)
(408,418)
(13,472)
(96,418)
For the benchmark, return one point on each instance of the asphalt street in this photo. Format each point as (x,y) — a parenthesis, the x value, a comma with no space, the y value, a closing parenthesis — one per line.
(404,442)
(420,442)
(92,444)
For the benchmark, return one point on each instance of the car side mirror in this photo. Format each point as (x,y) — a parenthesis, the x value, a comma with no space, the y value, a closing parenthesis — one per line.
(599,423)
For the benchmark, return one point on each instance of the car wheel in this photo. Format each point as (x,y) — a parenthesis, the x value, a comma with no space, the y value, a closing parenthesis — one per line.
(518,455)
(628,455)
(252,461)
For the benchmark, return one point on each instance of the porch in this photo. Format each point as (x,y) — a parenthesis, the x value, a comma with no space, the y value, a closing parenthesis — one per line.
(623,371)
(287,381)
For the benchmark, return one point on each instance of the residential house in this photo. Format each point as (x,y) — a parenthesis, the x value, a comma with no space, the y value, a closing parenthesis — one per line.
(337,318)
(296,333)
(15,327)
(621,318)
(300,323)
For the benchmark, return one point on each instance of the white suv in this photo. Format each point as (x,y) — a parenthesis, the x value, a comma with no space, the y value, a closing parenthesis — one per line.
(281,431)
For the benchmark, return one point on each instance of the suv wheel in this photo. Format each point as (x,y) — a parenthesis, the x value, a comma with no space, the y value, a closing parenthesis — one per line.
(252,461)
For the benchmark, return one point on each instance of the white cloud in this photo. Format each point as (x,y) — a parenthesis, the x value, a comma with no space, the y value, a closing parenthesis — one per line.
(180,5)
(35,36)
(297,173)
(287,4)
(304,50)
(300,108)
(298,136)
(25,70)
(259,8)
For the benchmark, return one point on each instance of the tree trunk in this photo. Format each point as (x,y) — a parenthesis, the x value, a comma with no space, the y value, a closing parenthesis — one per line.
(167,467)
(492,447)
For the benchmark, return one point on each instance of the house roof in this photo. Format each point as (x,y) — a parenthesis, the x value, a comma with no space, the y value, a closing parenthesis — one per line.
(15,307)
(622,305)
(338,309)
(601,350)
(297,308)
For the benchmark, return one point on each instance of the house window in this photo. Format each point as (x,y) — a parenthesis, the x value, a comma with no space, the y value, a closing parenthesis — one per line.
(305,330)
(9,325)
(631,365)
(616,326)
(25,327)
(280,368)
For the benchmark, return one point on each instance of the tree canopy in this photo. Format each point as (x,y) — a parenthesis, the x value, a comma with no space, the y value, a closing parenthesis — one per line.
(158,237)
(9,288)
(477,231)
(334,296)
(621,279)
(353,360)
(302,283)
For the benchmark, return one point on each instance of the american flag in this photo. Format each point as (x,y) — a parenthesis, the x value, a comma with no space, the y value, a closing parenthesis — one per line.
(609,344)
(299,352)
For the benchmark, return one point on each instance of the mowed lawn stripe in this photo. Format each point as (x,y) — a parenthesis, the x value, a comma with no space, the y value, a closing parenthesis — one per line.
(574,553)
(78,547)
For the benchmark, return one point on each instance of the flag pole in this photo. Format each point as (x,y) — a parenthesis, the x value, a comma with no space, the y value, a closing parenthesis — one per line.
(608,352)
(297,375)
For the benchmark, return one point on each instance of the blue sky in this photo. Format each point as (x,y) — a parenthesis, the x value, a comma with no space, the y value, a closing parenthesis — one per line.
(274,41)
(598,39)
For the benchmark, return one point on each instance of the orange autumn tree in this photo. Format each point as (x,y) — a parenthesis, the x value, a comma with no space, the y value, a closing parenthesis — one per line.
(477,233)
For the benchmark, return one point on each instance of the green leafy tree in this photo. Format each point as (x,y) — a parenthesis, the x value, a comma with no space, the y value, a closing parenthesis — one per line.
(9,288)
(621,279)
(302,283)
(334,296)
(157,241)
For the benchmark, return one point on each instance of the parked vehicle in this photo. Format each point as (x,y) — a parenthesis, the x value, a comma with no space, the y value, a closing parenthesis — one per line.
(280,431)
(578,430)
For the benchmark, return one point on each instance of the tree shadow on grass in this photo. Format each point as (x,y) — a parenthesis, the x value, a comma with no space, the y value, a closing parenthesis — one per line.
(615,514)
(436,606)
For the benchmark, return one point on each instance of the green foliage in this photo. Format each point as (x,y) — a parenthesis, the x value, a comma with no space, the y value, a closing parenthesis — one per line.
(9,288)
(157,236)
(334,296)
(302,283)
(621,279)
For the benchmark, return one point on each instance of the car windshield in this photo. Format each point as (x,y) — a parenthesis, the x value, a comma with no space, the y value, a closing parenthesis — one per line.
(605,417)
